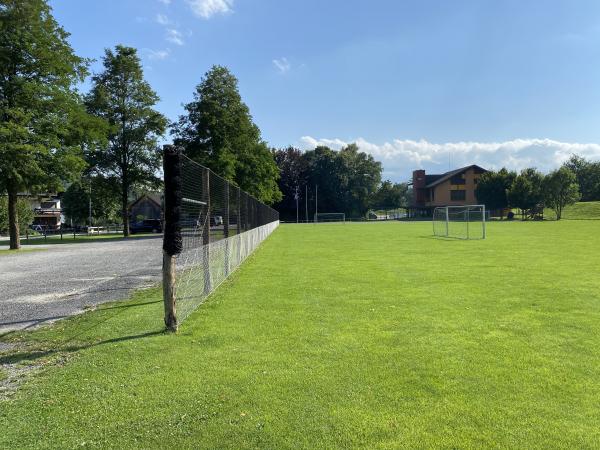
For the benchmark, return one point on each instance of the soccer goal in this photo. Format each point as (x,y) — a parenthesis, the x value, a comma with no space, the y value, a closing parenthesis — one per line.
(460,222)
(330,217)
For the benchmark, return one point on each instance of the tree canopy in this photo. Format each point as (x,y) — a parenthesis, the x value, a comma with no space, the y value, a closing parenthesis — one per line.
(492,188)
(42,121)
(125,101)
(560,190)
(587,174)
(346,179)
(525,192)
(218,132)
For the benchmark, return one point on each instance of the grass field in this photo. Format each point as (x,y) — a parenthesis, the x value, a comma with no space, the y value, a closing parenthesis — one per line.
(369,335)
(578,211)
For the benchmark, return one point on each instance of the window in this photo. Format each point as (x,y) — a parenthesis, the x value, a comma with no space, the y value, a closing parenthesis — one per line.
(475,180)
(458,195)
(457,179)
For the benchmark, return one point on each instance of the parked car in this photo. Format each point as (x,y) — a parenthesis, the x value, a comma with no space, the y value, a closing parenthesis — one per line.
(146,226)
(215,221)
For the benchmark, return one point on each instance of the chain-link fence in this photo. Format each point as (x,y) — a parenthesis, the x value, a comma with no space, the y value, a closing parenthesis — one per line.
(211,227)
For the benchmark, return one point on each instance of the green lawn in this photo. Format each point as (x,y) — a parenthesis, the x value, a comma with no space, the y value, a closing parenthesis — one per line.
(80,239)
(578,211)
(6,252)
(367,335)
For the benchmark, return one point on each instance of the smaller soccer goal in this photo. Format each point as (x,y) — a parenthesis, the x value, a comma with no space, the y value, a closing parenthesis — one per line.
(330,217)
(460,222)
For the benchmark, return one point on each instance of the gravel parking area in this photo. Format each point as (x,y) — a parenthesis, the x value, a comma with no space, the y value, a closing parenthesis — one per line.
(42,286)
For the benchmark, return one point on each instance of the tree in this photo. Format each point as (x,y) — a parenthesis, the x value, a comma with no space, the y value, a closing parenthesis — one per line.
(24,212)
(217,131)
(122,97)
(105,205)
(42,120)
(560,190)
(391,195)
(292,175)
(588,177)
(525,192)
(492,189)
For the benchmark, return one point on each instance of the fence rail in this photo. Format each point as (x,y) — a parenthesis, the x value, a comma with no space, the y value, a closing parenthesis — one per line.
(211,226)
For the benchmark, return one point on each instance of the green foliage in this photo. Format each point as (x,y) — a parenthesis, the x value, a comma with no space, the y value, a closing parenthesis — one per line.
(105,201)
(493,187)
(391,195)
(24,211)
(560,190)
(218,132)
(42,121)
(525,192)
(588,177)
(124,100)
(346,179)
(293,170)
(331,338)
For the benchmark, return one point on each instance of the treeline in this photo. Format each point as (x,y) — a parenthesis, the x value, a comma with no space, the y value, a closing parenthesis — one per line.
(345,181)
(530,191)
(105,141)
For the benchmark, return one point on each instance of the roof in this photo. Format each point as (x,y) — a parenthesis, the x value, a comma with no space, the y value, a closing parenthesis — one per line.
(153,197)
(437,179)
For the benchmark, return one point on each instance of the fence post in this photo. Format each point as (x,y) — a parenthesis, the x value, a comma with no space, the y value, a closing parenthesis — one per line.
(239,212)
(226,227)
(206,231)
(172,243)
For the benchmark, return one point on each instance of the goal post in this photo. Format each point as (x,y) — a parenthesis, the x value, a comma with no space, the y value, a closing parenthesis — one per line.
(330,217)
(460,222)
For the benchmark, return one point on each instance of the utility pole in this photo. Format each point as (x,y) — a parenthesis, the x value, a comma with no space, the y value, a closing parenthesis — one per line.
(316,201)
(296,196)
(90,204)
(306,201)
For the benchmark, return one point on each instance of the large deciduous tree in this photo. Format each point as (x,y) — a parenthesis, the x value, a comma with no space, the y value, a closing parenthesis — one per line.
(588,177)
(525,192)
(560,190)
(391,195)
(123,98)
(492,189)
(42,121)
(218,132)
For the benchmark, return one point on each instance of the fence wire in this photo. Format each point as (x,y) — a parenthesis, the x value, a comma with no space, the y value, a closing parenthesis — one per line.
(221,225)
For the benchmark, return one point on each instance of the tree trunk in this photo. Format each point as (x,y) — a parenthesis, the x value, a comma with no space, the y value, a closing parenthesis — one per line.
(13,220)
(124,211)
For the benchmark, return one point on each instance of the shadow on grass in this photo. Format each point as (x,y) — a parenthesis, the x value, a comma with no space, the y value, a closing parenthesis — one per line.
(30,356)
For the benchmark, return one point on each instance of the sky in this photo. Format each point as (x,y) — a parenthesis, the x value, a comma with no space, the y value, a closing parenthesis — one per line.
(418,84)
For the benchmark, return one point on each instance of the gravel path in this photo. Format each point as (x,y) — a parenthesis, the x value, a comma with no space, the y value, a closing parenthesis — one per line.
(42,286)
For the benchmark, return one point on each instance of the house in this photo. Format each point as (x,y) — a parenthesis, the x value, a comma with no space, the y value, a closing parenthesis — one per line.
(454,188)
(148,206)
(47,214)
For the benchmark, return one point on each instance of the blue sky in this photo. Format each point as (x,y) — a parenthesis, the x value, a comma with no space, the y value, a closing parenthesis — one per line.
(418,84)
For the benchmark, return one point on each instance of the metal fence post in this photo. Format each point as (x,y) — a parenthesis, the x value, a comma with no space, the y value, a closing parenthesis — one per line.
(226,227)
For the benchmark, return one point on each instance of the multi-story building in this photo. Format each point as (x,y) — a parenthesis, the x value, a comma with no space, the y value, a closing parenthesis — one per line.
(453,188)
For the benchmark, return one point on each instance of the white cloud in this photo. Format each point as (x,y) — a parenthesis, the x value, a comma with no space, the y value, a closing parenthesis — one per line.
(401,157)
(208,8)
(157,55)
(282,65)
(165,2)
(162,19)
(174,36)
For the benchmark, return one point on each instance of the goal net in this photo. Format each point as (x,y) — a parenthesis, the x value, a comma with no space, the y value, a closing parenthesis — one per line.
(330,217)
(460,222)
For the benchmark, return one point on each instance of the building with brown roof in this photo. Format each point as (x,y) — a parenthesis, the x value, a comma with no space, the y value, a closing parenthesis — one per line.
(453,188)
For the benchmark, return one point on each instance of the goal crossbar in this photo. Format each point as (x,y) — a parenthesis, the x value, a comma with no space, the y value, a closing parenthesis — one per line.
(461,222)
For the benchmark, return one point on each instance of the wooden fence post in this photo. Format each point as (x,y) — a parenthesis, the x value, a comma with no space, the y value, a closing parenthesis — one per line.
(172,242)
